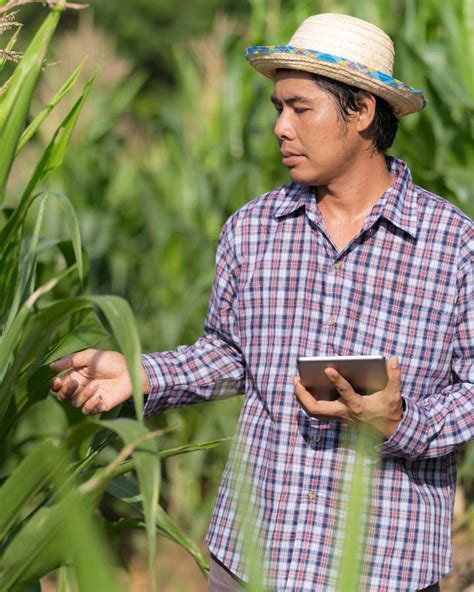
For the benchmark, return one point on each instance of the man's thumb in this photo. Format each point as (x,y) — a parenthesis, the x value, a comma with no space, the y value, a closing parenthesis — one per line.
(393,371)
(75,360)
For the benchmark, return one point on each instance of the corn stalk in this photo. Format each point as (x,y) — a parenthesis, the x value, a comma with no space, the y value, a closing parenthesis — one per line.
(53,481)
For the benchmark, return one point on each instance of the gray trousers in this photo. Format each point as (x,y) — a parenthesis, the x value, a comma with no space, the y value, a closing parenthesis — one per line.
(221,579)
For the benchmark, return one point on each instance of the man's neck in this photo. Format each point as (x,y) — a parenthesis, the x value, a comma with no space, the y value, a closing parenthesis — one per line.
(351,195)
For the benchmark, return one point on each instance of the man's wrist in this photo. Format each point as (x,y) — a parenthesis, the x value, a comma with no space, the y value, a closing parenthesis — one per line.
(146,386)
(394,420)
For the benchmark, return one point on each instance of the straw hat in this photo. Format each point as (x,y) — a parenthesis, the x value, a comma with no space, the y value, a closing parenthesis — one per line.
(343,48)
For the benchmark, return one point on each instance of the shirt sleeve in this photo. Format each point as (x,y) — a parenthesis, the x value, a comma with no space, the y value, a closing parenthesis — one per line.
(213,366)
(439,423)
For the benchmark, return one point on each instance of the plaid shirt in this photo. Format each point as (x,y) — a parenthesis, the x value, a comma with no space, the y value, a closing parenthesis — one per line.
(403,286)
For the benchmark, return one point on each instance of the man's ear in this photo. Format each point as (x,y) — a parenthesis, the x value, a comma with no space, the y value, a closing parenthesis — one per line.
(366,113)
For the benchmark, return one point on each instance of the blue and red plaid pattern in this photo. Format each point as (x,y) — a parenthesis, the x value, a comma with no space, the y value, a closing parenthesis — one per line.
(403,286)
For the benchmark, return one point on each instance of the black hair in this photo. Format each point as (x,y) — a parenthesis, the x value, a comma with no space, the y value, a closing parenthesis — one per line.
(348,101)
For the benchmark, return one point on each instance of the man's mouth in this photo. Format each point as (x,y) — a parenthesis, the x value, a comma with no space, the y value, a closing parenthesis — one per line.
(290,159)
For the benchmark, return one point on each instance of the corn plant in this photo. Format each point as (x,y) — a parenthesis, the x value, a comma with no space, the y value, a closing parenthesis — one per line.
(208,149)
(56,464)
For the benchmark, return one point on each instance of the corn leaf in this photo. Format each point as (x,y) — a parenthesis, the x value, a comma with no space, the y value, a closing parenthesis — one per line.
(73,226)
(33,473)
(167,528)
(24,284)
(127,465)
(116,103)
(17,269)
(82,330)
(53,156)
(15,103)
(25,345)
(55,535)
(43,114)
(120,317)
(148,471)
(91,559)
(126,489)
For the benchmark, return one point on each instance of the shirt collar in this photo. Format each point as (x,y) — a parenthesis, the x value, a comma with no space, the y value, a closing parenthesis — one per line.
(292,197)
(398,204)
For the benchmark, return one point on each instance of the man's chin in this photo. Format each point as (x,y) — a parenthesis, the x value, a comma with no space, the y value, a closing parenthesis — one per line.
(299,176)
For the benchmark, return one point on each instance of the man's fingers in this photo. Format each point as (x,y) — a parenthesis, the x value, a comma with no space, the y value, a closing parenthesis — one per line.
(55,384)
(67,390)
(343,387)
(84,394)
(351,398)
(65,386)
(318,408)
(75,360)
(95,404)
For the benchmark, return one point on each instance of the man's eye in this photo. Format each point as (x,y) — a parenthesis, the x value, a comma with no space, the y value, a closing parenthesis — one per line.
(300,109)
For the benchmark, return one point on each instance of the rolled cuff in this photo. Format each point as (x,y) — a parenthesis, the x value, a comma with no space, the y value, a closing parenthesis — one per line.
(410,437)
(159,376)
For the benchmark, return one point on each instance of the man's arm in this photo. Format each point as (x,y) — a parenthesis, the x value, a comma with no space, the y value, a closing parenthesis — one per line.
(213,366)
(97,381)
(439,423)
(431,426)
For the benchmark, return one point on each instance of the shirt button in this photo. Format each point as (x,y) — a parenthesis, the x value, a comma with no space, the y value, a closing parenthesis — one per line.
(337,265)
(311,495)
(330,321)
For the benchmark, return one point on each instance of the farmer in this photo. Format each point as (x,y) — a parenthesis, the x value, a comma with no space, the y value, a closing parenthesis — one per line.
(349,258)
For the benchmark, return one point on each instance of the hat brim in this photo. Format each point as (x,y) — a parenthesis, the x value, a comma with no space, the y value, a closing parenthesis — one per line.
(403,98)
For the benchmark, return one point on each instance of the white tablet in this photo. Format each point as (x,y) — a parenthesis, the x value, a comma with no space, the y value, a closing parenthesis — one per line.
(366,374)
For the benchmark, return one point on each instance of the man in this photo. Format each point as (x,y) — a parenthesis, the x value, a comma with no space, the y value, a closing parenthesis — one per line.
(349,258)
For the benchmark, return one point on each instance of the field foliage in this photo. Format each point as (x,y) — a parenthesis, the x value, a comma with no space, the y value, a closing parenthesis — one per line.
(152,172)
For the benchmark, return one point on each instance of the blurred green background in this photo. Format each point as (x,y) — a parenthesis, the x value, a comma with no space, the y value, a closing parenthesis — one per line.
(177,134)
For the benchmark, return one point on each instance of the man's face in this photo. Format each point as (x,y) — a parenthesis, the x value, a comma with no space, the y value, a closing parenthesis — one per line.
(316,144)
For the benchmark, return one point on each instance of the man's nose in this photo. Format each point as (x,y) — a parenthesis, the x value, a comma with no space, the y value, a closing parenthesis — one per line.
(283,128)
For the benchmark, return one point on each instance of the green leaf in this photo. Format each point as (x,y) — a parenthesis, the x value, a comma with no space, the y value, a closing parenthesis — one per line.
(82,330)
(43,114)
(358,475)
(24,284)
(127,465)
(124,488)
(167,528)
(27,340)
(120,317)
(74,229)
(11,229)
(33,473)
(15,104)
(91,559)
(24,346)
(128,489)
(193,447)
(56,535)
(54,154)
(147,468)
(67,579)
(117,102)
(17,277)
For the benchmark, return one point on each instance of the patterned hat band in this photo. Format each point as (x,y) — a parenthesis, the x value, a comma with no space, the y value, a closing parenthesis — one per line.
(362,40)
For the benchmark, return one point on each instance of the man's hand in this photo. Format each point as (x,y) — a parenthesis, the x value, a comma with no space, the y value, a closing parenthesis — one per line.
(95,381)
(382,410)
